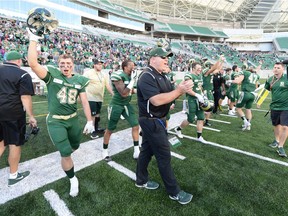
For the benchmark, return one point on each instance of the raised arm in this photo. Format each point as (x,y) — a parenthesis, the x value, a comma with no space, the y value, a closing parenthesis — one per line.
(38,69)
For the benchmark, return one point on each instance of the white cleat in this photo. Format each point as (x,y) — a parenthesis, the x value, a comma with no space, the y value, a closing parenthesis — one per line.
(136,152)
(230,112)
(74,187)
(247,126)
(178,133)
(201,139)
(105,155)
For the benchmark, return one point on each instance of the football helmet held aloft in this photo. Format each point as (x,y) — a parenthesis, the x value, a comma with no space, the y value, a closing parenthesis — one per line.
(41,21)
(163,43)
(207,106)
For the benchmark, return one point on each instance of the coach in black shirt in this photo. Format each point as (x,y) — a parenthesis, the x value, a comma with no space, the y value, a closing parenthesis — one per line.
(16,90)
(155,94)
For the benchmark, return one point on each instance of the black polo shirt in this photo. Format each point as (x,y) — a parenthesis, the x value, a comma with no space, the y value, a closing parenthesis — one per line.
(14,82)
(217,81)
(151,83)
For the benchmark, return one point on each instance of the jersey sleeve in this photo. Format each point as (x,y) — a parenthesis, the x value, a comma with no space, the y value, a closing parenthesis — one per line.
(188,76)
(116,76)
(83,81)
(51,72)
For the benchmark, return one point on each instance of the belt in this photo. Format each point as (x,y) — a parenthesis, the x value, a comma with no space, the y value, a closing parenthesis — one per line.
(64,117)
(152,118)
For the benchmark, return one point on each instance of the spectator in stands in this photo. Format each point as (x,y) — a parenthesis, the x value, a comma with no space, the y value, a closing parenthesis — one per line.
(95,93)
(16,89)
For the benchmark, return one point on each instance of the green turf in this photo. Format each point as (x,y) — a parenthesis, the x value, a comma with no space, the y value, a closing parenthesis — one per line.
(222,182)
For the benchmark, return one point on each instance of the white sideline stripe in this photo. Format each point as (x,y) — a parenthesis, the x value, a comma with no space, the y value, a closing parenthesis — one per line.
(207,128)
(89,153)
(57,204)
(237,150)
(216,120)
(260,110)
(123,170)
(229,115)
(181,157)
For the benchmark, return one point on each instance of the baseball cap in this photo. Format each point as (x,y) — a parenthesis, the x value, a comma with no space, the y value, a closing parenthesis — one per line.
(13,55)
(96,61)
(161,52)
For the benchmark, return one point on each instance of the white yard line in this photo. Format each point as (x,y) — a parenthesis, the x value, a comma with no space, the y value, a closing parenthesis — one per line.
(47,168)
(122,169)
(237,150)
(259,110)
(207,128)
(57,204)
(181,157)
(232,116)
(216,120)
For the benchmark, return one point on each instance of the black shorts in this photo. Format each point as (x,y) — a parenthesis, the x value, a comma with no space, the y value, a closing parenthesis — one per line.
(95,107)
(279,117)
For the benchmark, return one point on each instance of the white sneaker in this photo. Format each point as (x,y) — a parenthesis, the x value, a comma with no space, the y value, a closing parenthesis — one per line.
(105,155)
(247,126)
(201,139)
(74,187)
(179,133)
(230,112)
(136,152)
(183,111)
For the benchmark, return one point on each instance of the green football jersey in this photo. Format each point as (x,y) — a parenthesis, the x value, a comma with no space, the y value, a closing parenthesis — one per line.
(279,90)
(198,82)
(249,81)
(234,86)
(207,80)
(117,99)
(63,92)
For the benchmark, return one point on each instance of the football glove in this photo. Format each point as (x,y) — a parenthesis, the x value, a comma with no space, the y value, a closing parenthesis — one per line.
(89,127)
(33,37)
(200,98)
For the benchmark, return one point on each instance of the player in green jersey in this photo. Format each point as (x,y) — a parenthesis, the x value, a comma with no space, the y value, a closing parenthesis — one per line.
(248,83)
(233,94)
(64,87)
(278,85)
(123,88)
(194,98)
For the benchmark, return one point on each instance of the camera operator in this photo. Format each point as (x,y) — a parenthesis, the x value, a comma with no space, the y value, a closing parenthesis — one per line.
(16,90)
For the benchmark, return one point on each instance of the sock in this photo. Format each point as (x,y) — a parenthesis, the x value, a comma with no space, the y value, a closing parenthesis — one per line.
(70,173)
(136,143)
(207,121)
(244,118)
(105,146)
(13,175)
(184,105)
(97,120)
(199,134)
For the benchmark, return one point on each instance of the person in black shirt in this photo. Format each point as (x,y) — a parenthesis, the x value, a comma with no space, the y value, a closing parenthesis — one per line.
(218,88)
(16,90)
(155,94)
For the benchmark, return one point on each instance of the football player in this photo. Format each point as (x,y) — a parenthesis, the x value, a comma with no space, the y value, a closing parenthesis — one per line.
(123,88)
(64,87)
(194,98)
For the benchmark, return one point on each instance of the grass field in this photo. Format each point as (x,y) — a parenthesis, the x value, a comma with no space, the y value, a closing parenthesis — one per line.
(223,182)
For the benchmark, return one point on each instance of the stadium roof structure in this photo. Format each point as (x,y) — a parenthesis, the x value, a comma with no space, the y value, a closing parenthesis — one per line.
(269,15)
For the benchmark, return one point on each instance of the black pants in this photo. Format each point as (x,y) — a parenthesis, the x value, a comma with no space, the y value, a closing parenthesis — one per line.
(217,96)
(155,142)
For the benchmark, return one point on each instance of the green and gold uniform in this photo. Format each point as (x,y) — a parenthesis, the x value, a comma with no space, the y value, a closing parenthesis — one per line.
(120,105)
(193,104)
(62,120)
(248,87)
(208,84)
(233,92)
